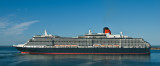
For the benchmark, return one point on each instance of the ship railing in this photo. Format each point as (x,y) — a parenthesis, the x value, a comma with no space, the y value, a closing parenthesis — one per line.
(38,46)
(134,47)
(14,45)
(80,46)
(66,47)
(19,45)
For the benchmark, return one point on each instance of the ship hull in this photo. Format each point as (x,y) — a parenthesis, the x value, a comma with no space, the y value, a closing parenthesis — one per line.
(84,50)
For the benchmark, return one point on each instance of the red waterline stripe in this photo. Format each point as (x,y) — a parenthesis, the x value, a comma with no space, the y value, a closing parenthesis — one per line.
(80,53)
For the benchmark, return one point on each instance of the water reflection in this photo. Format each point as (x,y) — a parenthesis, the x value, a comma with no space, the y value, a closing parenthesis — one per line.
(80,60)
(86,57)
(12,57)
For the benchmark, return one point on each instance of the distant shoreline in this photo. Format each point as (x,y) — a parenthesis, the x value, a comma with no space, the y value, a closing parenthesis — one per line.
(155,48)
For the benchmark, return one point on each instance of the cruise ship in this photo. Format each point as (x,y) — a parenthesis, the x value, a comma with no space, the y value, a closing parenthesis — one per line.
(90,43)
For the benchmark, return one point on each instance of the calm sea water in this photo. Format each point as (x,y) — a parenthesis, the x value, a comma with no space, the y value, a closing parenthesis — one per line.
(9,56)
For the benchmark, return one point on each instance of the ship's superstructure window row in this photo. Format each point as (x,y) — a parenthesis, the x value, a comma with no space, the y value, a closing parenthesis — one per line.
(121,42)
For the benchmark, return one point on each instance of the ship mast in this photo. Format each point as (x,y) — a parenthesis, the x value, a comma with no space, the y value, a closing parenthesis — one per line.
(89,32)
(45,33)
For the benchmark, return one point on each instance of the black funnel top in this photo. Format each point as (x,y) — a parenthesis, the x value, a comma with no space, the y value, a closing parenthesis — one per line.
(105,28)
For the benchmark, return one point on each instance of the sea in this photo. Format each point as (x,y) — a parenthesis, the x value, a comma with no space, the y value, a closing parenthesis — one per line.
(9,56)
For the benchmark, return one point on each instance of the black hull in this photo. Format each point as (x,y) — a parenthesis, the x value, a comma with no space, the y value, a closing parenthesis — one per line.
(84,50)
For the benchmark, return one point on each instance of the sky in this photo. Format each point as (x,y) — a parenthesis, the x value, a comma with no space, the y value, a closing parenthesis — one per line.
(20,20)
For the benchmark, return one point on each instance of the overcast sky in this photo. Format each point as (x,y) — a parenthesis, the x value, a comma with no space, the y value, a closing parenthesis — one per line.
(22,19)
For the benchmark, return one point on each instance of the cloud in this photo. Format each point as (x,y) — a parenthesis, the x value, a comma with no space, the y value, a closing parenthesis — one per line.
(3,24)
(19,28)
(11,26)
